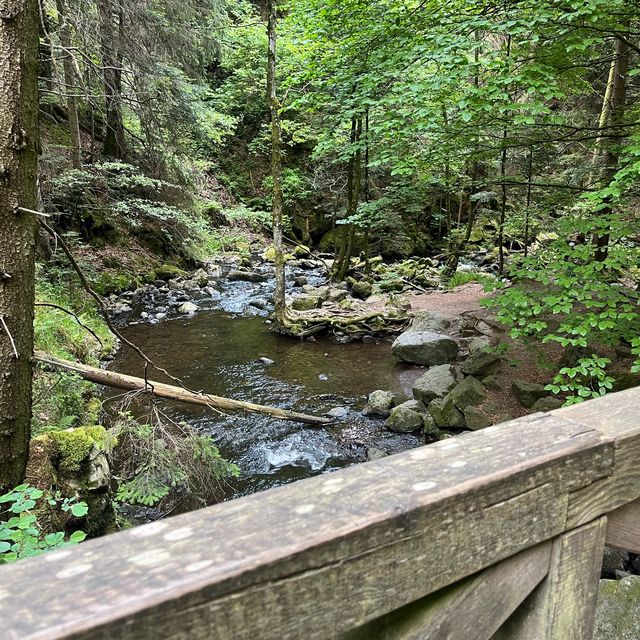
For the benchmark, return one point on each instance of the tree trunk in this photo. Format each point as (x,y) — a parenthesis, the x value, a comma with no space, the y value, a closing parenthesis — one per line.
(606,156)
(18,173)
(162,390)
(503,179)
(70,86)
(276,161)
(354,185)
(110,47)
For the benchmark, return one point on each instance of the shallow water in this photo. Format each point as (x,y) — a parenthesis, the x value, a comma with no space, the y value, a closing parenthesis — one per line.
(218,350)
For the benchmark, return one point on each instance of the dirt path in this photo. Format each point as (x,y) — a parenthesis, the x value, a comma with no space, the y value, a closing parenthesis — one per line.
(450,304)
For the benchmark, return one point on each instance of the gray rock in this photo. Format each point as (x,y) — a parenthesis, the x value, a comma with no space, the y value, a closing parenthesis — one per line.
(323,377)
(201,278)
(248,276)
(414,405)
(476,419)
(481,363)
(425,348)
(379,403)
(267,362)
(528,392)
(431,430)
(337,295)
(429,321)
(300,281)
(160,316)
(444,413)
(614,560)
(306,302)
(187,307)
(373,453)
(479,343)
(362,290)
(548,403)
(120,308)
(403,419)
(492,383)
(338,412)
(259,303)
(435,383)
(467,393)
(144,315)
(175,285)
(618,612)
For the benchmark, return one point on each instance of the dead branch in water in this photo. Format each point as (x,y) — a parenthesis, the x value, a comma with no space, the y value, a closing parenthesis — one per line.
(169,392)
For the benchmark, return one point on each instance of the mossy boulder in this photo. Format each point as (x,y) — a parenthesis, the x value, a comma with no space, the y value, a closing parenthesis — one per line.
(75,445)
(406,417)
(169,272)
(74,462)
(618,612)
(528,393)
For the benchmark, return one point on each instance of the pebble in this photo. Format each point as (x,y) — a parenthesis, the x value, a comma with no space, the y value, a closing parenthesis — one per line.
(267,361)
(323,376)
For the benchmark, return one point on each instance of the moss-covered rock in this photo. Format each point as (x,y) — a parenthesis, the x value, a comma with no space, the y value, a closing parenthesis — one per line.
(618,613)
(75,445)
(169,271)
(74,462)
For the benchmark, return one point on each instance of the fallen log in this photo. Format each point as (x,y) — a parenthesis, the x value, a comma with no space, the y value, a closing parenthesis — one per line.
(162,390)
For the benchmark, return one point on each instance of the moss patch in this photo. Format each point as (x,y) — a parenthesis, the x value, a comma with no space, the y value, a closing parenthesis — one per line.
(74,445)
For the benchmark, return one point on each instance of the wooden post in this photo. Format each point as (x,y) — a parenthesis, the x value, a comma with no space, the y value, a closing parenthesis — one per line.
(563,607)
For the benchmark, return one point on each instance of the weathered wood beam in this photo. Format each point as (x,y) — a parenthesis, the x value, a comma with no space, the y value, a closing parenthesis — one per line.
(320,557)
(473,608)
(623,527)
(170,392)
(616,416)
(563,607)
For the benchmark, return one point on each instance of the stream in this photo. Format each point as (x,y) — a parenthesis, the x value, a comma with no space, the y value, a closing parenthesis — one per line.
(218,350)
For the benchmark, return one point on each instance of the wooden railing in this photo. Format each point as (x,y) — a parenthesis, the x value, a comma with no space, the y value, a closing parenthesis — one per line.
(496,534)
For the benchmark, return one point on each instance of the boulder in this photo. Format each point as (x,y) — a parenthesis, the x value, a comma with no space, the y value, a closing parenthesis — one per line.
(362,290)
(300,281)
(337,412)
(479,343)
(528,392)
(476,419)
(425,348)
(201,277)
(548,403)
(379,403)
(404,418)
(187,307)
(429,321)
(248,276)
(618,612)
(467,393)
(373,453)
(481,363)
(337,295)
(431,430)
(306,302)
(492,383)
(435,383)
(444,413)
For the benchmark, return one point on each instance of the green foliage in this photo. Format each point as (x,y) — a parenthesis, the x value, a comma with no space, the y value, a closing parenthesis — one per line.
(565,295)
(588,379)
(464,277)
(20,533)
(156,459)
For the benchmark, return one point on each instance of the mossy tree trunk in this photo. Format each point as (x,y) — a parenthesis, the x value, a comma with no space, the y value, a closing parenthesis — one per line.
(18,172)
(606,155)
(354,186)
(276,162)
